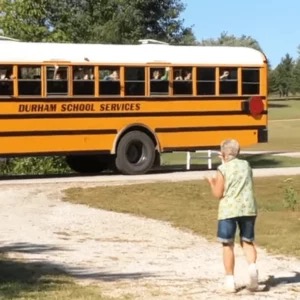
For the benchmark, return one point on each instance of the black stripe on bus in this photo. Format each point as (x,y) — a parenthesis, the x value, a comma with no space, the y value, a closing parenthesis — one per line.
(54,153)
(124,114)
(213,128)
(56,132)
(191,149)
(124,99)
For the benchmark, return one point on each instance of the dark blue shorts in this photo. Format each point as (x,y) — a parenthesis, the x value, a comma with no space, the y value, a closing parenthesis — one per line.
(227,229)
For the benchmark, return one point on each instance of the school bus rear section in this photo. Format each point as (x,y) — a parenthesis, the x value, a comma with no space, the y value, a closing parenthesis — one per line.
(121,106)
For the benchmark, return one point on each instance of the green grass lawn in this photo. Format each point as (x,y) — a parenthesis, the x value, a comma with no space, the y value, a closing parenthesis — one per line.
(189,205)
(284,109)
(284,126)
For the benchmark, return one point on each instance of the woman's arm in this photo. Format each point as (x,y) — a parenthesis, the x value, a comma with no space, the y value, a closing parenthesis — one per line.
(217,185)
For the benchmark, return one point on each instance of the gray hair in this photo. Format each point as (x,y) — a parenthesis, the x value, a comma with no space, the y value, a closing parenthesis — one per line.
(230,149)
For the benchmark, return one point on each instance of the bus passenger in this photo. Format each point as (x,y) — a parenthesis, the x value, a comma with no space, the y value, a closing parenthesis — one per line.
(178,75)
(113,76)
(188,76)
(156,75)
(224,76)
(56,75)
(166,75)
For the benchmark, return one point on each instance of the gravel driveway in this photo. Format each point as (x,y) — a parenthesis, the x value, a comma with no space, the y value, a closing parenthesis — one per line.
(124,254)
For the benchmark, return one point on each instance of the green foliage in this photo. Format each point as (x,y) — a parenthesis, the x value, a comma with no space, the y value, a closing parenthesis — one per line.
(28,20)
(290,197)
(231,40)
(84,21)
(284,76)
(34,166)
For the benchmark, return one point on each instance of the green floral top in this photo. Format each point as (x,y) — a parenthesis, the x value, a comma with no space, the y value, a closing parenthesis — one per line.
(238,198)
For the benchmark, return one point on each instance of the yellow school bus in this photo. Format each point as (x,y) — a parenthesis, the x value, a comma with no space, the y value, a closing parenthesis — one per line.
(121,106)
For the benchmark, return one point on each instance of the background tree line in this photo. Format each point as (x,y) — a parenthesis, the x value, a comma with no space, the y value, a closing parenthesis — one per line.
(117,22)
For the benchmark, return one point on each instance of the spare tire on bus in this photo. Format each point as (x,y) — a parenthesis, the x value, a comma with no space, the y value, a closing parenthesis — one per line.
(135,153)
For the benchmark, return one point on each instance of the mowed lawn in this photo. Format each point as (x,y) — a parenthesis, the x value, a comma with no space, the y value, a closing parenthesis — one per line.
(190,205)
(284,126)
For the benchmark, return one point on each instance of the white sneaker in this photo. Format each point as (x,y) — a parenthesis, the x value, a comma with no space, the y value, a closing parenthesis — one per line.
(229,286)
(253,278)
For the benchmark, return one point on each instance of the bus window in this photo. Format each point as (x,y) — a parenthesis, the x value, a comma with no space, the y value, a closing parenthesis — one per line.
(29,80)
(250,81)
(159,84)
(228,81)
(6,81)
(134,81)
(182,84)
(206,81)
(109,81)
(83,80)
(57,80)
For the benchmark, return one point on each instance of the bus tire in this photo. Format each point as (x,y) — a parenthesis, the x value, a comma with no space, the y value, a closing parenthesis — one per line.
(135,153)
(88,164)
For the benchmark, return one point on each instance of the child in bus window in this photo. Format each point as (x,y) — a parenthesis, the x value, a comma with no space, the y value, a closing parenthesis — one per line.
(178,75)
(166,75)
(156,75)
(224,76)
(188,76)
(113,76)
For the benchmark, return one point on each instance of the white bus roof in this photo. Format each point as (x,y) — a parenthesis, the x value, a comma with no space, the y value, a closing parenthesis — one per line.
(23,52)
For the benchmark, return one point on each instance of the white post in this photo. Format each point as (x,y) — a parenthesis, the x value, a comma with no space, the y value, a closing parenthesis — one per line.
(188,160)
(209,159)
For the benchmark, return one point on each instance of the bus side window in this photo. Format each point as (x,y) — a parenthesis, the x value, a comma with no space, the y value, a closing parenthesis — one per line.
(6,81)
(134,81)
(57,80)
(83,80)
(159,84)
(109,83)
(228,81)
(29,80)
(250,81)
(206,81)
(182,81)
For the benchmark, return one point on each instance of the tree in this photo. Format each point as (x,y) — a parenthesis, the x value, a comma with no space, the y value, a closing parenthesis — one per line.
(106,21)
(28,20)
(296,75)
(285,76)
(231,40)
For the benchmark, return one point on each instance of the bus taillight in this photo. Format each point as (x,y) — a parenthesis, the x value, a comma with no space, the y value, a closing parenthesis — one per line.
(256,106)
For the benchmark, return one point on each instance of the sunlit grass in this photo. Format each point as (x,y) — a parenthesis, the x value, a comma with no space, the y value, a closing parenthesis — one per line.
(284,109)
(189,205)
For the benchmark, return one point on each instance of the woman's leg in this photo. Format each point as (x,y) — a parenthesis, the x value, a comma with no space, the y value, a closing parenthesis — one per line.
(228,258)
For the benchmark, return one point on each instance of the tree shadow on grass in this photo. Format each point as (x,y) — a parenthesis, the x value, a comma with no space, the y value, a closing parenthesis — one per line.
(261,160)
(20,277)
(277,105)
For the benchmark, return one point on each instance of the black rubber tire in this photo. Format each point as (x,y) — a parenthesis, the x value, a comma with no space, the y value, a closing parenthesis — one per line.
(88,164)
(135,153)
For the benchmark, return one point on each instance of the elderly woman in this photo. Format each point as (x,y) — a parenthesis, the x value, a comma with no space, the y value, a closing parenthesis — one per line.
(233,186)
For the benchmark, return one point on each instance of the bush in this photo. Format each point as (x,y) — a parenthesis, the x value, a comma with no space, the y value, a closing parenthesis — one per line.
(34,166)
(290,197)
